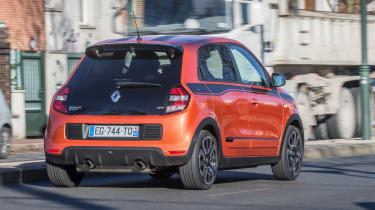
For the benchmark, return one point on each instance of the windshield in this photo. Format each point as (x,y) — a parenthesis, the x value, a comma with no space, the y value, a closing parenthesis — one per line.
(179,16)
(124,80)
(125,68)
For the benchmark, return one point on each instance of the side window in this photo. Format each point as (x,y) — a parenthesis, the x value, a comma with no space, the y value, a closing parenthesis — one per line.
(250,70)
(214,65)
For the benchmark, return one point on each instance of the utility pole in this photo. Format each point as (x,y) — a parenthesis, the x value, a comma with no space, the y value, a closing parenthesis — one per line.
(365,71)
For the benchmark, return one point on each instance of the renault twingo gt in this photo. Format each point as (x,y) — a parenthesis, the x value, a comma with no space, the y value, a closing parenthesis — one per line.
(165,104)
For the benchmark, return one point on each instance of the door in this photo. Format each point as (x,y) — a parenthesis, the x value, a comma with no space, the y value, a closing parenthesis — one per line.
(264,104)
(219,75)
(32,65)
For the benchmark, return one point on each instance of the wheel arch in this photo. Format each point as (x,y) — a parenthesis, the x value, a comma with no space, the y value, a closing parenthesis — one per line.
(294,120)
(212,126)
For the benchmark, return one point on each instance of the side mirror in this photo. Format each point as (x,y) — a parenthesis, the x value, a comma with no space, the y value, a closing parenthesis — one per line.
(278,80)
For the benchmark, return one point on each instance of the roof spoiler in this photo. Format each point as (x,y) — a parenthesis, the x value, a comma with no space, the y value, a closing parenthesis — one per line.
(95,51)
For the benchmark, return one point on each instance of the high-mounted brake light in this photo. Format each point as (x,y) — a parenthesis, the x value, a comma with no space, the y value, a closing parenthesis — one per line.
(59,102)
(178,100)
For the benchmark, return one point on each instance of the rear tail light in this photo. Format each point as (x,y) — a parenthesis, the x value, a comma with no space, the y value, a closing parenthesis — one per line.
(60,100)
(178,100)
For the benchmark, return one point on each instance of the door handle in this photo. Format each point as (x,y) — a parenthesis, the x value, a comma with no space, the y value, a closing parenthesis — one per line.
(254,101)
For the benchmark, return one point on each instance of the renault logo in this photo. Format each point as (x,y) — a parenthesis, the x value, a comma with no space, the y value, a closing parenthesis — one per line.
(115,96)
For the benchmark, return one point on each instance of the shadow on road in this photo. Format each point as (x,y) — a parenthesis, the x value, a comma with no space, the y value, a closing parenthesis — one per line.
(145,181)
(339,169)
(366,205)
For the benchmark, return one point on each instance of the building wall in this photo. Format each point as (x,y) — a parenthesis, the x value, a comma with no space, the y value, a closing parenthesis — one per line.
(310,4)
(25,20)
(4,63)
(67,32)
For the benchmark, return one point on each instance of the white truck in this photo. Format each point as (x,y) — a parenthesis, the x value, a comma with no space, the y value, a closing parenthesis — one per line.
(319,52)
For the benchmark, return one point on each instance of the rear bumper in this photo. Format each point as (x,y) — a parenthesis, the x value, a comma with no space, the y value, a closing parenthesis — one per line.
(115,157)
(174,139)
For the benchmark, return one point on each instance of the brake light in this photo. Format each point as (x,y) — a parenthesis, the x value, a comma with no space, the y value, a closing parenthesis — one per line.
(59,102)
(178,100)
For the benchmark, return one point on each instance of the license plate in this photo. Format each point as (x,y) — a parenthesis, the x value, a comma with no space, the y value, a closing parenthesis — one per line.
(113,131)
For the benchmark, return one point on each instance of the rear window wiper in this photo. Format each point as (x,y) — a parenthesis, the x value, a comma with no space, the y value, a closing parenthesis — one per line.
(121,84)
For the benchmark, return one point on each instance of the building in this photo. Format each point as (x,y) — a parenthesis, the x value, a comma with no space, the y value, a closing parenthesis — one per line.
(26,33)
(47,38)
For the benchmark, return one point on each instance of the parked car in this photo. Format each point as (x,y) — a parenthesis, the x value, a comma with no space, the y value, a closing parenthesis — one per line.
(167,104)
(5,127)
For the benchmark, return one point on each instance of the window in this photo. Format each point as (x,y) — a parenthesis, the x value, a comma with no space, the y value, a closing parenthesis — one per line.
(152,66)
(215,65)
(250,70)
(83,12)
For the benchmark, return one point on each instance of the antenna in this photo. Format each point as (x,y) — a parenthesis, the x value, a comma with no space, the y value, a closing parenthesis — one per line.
(139,38)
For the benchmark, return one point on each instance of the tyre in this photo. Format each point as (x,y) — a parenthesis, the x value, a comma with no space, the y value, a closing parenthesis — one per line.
(63,176)
(303,104)
(199,173)
(358,110)
(164,174)
(5,140)
(321,131)
(342,124)
(289,165)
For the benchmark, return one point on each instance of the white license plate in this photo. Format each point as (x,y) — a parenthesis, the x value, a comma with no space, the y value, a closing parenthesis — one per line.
(113,131)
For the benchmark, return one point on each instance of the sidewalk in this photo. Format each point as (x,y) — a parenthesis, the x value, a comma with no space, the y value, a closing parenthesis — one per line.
(26,145)
(26,162)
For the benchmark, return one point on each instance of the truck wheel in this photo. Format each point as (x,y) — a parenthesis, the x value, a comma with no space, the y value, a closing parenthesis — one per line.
(321,131)
(358,110)
(342,124)
(5,139)
(290,163)
(63,176)
(304,108)
(199,173)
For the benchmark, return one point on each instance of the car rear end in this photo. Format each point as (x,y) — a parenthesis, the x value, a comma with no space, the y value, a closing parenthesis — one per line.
(123,109)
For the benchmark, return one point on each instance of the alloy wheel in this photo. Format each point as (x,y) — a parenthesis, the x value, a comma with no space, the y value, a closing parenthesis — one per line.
(208,160)
(295,152)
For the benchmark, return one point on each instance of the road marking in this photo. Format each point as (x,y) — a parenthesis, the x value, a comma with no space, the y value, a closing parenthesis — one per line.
(238,192)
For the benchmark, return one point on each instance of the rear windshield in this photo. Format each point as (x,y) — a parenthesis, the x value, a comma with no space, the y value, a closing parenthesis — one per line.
(156,66)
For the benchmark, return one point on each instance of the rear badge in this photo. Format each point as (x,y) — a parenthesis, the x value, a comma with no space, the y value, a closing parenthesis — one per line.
(115,96)
(74,108)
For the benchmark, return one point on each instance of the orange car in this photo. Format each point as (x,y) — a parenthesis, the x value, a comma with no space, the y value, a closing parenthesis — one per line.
(166,104)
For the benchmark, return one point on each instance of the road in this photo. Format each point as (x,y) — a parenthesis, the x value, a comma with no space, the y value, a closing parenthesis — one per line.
(336,183)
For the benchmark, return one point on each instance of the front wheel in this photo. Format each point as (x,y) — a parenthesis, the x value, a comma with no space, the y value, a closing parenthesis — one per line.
(289,165)
(199,173)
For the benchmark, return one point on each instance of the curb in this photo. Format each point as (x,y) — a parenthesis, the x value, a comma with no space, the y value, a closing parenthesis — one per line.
(33,171)
(330,151)
(23,173)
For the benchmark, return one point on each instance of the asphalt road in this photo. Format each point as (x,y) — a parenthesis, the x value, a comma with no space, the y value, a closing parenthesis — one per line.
(27,156)
(337,183)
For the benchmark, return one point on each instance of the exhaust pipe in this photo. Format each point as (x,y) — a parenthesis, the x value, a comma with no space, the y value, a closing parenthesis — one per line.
(140,164)
(90,164)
